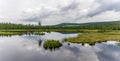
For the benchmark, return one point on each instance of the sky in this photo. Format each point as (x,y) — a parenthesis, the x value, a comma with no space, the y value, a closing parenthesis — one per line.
(51,12)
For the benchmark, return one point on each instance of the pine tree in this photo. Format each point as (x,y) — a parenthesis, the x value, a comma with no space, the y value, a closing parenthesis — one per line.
(39,23)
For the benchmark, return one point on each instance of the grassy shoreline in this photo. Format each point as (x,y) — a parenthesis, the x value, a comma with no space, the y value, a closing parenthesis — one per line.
(92,38)
(7,33)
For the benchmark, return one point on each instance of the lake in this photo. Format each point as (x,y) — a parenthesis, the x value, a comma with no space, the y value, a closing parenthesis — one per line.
(29,48)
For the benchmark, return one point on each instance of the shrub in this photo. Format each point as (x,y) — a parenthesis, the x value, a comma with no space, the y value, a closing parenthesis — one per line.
(50,44)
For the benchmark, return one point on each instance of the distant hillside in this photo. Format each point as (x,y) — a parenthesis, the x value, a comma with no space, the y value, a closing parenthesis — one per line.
(89,24)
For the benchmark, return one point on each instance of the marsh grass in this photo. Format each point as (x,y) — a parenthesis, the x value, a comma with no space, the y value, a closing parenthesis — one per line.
(10,33)
(118,44)
(92,38)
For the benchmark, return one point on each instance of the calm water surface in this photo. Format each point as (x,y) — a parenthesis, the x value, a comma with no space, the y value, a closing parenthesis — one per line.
(28,48)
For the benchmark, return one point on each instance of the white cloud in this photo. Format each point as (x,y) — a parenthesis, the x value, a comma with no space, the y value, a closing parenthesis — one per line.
(104,16)
(59,11)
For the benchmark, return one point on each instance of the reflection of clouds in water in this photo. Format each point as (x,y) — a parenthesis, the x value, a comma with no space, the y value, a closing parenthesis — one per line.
(52,35)
(25,48)
(32,37)
(14,49)
(57,36)
(83,53)
(17,48)
(108,52)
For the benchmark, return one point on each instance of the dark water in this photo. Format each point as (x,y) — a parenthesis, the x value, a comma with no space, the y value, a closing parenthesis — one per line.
(27,48)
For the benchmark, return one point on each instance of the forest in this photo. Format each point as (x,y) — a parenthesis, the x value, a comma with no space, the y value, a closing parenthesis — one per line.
(64,27)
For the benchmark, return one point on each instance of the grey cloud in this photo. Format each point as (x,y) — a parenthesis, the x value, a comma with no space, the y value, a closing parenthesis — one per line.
(41,14)
(72,6)
(33,19)
(105,6)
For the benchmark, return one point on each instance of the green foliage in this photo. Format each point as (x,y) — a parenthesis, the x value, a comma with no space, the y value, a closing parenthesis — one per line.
(52,44)
(64,27)
(72,27)
(3,33)
(118,44)
(15,26)
(112,25)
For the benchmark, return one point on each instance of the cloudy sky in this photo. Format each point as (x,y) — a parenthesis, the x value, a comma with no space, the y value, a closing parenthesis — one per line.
(51,12)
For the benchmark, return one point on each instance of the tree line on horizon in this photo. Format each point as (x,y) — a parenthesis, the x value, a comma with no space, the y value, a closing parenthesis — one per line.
(113,26)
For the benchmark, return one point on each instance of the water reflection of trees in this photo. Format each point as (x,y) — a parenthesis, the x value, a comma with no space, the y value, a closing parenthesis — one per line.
(20,33)
(39,42)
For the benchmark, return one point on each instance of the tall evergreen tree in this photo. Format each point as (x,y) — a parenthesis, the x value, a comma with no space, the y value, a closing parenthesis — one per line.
(39,23)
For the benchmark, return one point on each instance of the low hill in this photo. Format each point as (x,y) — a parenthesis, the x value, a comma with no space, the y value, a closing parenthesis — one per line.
(89,24)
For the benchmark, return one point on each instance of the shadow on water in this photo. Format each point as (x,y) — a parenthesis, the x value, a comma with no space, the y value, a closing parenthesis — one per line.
(91,44)
(39,42)
(68,32)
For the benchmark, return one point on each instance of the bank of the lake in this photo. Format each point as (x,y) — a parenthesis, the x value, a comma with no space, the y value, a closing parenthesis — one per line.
(92,38)
(20,33)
